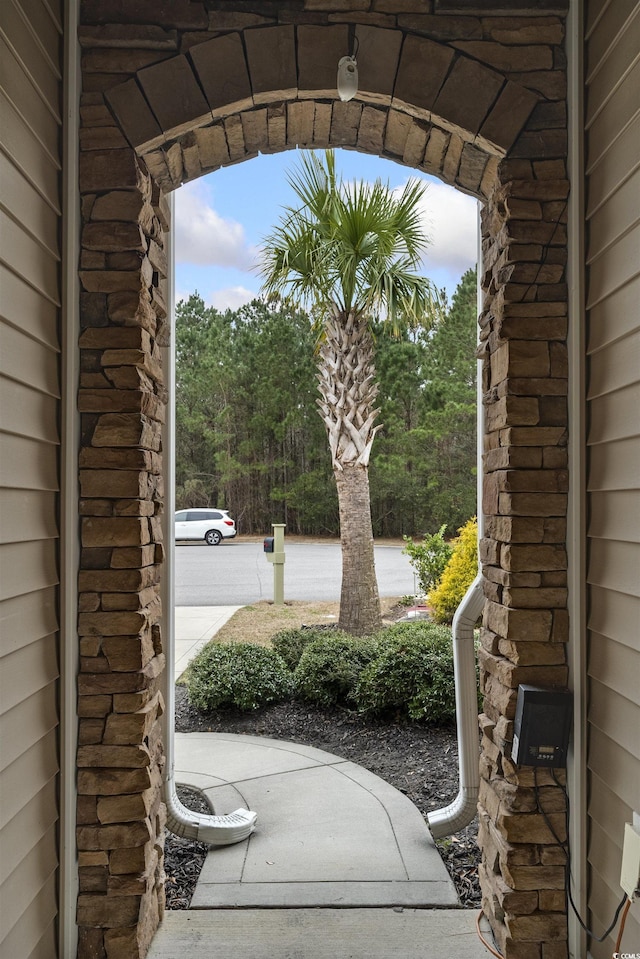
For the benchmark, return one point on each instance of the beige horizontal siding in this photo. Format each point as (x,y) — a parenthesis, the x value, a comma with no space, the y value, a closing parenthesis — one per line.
(27,829)
(615,615)
(617,216)
(615,513)
(24,205)
(37,765)
(617,716)
(34,931)
(28,514)
(30,99)
(28,461)
(612,764)
(619,110)
(611,71)
(20,626)
(26,568)
(614,665)
(608,809)
(617,365)
(34,314)
(30,37)
(49,25)
(613,564)
(26,723)
(615,317)
(615,415)
(26,101)
(29,153)
(614,268)
(28,670)
(22,253)
(35,870)
(28,360)
(28,412)
(614,23)
(612,188)
(608,901)
(614,466)
(611,164)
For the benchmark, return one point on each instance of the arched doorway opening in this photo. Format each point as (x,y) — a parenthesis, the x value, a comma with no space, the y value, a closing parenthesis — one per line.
(437,106)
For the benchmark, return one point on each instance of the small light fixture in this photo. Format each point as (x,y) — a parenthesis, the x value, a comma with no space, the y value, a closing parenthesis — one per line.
(347,78)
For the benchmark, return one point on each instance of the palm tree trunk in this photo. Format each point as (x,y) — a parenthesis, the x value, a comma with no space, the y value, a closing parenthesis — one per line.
(347,405)
(359,601)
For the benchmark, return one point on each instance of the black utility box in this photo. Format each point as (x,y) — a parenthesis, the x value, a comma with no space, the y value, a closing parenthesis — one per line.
(268,544)
(541,727)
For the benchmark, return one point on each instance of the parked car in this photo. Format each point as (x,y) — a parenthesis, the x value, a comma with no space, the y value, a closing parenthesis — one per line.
(211,525)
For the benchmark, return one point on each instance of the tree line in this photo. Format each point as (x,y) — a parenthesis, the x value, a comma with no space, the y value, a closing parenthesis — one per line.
(249,437)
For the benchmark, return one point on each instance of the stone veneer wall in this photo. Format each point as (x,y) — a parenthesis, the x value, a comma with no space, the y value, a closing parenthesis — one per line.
(449,91)
(122,403)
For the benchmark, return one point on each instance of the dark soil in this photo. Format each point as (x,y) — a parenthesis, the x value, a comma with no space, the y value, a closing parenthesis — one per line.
(420,761)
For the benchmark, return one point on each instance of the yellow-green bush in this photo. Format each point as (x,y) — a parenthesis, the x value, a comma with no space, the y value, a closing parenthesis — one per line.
(460,572)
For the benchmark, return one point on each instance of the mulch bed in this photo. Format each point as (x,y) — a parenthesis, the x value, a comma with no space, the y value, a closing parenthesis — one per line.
(420,761)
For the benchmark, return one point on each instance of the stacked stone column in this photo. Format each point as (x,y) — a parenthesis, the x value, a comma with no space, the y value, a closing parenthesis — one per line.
(122,403)
(525,626)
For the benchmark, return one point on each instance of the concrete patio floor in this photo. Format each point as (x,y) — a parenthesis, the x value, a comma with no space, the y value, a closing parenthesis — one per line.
(319,934)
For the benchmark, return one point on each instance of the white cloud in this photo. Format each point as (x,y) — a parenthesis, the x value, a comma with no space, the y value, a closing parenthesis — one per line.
(230,298)
(452,224)
(204,237)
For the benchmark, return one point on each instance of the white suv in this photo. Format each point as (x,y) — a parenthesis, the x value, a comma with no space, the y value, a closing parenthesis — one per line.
(211,525)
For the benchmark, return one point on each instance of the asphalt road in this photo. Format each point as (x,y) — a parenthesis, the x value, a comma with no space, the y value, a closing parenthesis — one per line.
(236,574)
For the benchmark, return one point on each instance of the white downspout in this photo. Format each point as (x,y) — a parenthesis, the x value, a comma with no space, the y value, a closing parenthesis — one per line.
(459,813)
(214,830)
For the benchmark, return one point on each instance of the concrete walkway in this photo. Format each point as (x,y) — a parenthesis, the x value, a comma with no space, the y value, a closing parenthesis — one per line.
(329,833)
(341,864)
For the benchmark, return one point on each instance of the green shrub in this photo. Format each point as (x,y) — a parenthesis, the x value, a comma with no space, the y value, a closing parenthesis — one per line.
(458,576)
(290,643)
(329,668)
(237,674)
(412,676)
(428,558)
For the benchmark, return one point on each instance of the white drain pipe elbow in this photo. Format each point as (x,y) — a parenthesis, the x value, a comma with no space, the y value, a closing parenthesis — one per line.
(214,830)
(459,813)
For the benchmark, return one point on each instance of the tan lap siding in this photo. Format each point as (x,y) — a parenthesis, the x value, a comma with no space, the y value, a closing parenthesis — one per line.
(29,445)
(613,348)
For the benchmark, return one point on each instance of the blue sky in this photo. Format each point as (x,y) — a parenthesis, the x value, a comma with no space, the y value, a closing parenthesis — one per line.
(221,219)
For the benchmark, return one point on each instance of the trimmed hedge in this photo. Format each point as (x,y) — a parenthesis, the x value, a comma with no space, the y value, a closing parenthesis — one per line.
(404,672)
(290,643)
(224,675)
(330,666)
(412,675)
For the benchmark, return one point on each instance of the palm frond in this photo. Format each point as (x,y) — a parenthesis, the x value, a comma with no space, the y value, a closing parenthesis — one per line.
(356,245)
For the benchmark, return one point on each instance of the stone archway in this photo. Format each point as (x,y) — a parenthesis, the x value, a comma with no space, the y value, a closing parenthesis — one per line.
(475,100)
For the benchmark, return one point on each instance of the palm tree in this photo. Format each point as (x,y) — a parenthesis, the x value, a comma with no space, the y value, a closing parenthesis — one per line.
(348,251)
